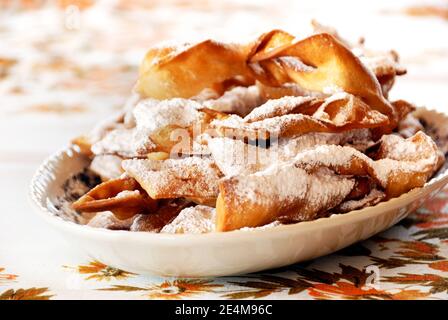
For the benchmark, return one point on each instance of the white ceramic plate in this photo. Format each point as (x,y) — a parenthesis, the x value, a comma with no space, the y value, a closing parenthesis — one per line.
(219,254)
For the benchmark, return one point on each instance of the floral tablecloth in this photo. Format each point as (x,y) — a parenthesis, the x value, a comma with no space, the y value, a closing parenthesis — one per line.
(65,64)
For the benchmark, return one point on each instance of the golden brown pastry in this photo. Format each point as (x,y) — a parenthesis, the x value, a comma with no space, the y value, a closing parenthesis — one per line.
(123,196)
(196,219)
(220,137)
(155,221)
(295,116)
(319,179)
(191,177)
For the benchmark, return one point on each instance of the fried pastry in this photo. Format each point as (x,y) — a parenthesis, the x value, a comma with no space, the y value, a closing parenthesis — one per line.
(197,219)
(170,72)
(407,163)
(294,116)
(107,166)
(235,157)
(86,141)
(107,220)
(410,165)
(318,179)
(158,126)
(238,100)
(282,192)
(172,123)
(123,196)
(221,137)
(318,63)
(155,221)
(287,90)
(385,65)
(321,63)
(127,143)
(409,126)
(160,120)
(191,177)
(435,127)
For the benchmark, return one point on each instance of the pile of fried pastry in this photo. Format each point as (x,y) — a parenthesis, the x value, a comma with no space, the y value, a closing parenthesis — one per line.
(220,136)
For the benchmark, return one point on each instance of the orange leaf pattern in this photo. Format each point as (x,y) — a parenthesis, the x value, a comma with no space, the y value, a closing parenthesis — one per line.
(407,262)
(411,265)
(5,278)
(20,294)
(96,270)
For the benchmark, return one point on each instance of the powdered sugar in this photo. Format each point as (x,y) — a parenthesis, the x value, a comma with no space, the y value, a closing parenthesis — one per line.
(359,139)
(411,160)
(127,193)
(317,179)
(175,178)
(170,49)
(125,142)
(107,220)
(418,153)
(381,63)
(396,148)
(329,155)
(331,89)
(294,116)
(105,126)
(277,107)
(235,157)
(152,115)
(197,219)
(283,187)
(107,166)
(294,64)
(325,191)
(239,100)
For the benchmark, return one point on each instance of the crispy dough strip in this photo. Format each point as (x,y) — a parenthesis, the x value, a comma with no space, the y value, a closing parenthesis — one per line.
(317,63)
(294,116)
(107,220)
(191,177)
(171,124)
(154,222)
(339,109)
(260,198)
(84,145)
(332,65)
(235,157)
(107,166)
(385,65)
(166,73)
(284,192)
(197,219)
(106,197)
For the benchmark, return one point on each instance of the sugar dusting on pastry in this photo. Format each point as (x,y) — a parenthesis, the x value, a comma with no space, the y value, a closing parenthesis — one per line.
(152,115)
(173,178)
(239,100)
(374,197)
(198,219)
(124,142)
(288,130)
